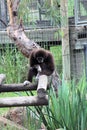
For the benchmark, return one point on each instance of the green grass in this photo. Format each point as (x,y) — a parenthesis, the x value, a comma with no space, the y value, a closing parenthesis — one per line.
(13,64)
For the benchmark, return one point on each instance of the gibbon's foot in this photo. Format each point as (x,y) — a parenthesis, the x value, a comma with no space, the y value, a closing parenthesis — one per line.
(26,82)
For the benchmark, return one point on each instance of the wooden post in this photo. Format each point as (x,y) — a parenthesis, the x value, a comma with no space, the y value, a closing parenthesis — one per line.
(23,101)
(2,78)
(65,40)
(42,86)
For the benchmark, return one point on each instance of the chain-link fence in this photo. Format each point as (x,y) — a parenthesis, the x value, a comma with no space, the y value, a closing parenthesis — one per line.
(78,39)
(42,20)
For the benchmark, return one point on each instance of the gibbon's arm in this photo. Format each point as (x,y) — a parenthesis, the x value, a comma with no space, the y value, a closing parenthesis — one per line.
(48,65)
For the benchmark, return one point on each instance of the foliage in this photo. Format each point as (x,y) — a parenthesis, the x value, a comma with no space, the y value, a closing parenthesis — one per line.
(13,64)
(52,9)
(68,111)
(29,10)
(71,8)
(57,54)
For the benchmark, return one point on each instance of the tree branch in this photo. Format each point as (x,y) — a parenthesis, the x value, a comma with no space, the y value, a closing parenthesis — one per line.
(16,33)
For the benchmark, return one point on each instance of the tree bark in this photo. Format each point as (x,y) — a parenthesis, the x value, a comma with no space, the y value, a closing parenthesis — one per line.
(16,32)
(23,101)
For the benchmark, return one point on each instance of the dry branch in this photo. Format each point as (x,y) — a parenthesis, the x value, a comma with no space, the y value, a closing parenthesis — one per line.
(16,32)
(2,78)
(23,101)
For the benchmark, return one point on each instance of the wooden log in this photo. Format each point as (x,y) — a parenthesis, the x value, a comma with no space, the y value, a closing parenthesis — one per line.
(18,87)
(42,86)
(23,101)
(2,78)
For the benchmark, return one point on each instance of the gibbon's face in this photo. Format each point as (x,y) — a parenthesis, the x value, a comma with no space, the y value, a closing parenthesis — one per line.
(40,59)
(40,56)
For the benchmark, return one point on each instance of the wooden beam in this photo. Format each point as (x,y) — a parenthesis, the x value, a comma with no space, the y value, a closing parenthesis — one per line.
(65,40)
(2,78)
(23,101)
(18,87)
(42,86)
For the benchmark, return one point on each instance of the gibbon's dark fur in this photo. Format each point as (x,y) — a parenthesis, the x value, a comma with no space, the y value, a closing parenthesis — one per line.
(44,59)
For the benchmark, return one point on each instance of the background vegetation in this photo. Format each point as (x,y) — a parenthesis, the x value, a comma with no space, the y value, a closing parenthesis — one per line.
(69,110)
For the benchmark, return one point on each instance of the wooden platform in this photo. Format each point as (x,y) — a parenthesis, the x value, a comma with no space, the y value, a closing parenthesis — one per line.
(38,35)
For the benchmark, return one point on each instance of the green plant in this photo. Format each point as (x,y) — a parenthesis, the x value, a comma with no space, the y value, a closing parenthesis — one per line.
(68,111)
(57,54)
(13,64)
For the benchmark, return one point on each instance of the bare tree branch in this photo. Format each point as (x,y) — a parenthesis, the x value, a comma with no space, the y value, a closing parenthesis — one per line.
(16,32)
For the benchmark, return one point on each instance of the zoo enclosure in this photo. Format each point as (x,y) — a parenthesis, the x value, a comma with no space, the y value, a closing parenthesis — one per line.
(42,24)
(38,27)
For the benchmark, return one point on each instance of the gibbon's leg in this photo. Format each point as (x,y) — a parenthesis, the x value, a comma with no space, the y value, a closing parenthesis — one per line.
(32,72)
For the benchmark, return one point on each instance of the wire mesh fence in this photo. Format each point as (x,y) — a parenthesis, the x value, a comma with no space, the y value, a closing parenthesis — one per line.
(42,23)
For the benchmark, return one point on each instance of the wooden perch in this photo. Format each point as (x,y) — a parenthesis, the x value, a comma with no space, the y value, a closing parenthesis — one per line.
(2,78)
(42,86)
(23,101)
(17,87)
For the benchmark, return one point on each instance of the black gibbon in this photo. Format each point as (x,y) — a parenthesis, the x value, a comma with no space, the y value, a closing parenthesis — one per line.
(41,61)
